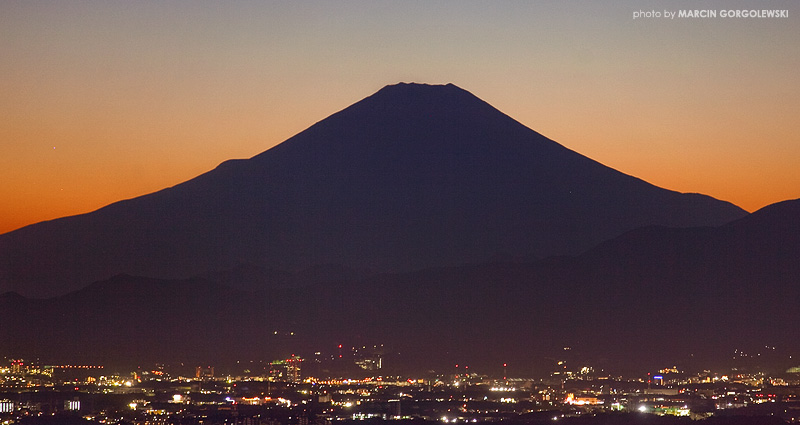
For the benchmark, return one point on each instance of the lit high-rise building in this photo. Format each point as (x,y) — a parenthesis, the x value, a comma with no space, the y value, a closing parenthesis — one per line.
(286,370)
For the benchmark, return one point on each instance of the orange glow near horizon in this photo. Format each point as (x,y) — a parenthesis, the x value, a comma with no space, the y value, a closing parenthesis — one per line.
(109,101)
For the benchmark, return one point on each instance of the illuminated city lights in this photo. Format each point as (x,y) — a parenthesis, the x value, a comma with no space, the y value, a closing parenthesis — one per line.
(448,398)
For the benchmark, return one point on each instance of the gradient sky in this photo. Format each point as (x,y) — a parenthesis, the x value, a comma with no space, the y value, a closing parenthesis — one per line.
(108,100)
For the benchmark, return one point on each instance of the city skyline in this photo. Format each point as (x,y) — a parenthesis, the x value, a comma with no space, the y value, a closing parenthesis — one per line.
(105,102)
(270,393)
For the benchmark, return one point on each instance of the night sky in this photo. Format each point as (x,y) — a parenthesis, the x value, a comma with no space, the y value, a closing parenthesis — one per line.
(102,101)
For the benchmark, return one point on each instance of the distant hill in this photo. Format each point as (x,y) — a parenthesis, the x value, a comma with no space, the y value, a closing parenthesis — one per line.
(412,177)
(652,297)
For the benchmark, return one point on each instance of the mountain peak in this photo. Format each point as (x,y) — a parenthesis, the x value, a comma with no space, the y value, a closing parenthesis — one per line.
(402,120)
(410,92)
(419,87)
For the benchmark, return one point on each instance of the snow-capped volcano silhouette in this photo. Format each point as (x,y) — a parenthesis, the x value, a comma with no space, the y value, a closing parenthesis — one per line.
(413,176)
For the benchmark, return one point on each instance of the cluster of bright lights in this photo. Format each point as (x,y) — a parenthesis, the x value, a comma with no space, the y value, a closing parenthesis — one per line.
(374,381)
(362,416)
(76,367)
(580,401)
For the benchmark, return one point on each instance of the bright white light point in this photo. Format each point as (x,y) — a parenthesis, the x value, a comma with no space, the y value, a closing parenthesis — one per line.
(642,408)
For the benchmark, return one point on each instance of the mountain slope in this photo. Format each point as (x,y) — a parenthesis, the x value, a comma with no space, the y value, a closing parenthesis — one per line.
(413,176)
(653,296)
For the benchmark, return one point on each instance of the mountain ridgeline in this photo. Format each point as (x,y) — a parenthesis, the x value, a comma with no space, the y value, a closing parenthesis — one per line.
(654,296)
(413,177)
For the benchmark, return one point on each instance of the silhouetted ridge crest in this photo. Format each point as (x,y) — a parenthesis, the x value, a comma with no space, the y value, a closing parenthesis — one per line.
(779,213)
(406,91)
(426,97)
(11,295)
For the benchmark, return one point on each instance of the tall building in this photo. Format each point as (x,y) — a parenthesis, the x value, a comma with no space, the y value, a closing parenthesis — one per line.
(369,358)
(73,404)
(204,372)
(286,370)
